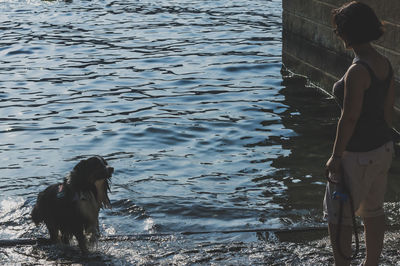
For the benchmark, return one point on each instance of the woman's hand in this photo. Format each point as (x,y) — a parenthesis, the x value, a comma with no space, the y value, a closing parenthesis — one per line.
(333,169)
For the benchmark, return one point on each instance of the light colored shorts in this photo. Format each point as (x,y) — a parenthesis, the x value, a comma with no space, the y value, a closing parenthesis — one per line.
(365,175)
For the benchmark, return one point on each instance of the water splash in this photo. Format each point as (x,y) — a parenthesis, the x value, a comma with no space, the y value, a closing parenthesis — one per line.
(13,217)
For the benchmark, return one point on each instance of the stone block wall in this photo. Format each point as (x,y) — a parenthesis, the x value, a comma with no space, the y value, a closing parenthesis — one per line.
(311,48)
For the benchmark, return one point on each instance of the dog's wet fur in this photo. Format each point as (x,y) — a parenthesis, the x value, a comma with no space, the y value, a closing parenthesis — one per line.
(72,208)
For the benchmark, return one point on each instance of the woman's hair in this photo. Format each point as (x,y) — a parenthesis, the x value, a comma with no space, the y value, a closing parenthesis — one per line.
(357,23)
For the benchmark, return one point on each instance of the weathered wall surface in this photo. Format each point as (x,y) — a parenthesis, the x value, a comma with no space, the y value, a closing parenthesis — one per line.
(311,48)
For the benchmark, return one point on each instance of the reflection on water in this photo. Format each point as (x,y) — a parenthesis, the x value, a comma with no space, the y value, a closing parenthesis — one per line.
(185,99)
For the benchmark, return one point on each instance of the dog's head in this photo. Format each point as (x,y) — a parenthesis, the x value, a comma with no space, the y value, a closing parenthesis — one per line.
(92,174)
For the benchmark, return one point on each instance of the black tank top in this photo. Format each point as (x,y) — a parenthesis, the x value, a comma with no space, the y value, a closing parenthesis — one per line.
(371,130)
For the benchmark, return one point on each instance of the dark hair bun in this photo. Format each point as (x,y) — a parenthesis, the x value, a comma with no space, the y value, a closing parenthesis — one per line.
(357,22)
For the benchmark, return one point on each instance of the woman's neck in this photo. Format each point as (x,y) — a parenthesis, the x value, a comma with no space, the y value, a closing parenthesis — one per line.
(364,50)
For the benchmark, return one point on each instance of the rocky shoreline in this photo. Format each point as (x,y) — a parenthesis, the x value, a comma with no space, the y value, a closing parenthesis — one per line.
(312,248)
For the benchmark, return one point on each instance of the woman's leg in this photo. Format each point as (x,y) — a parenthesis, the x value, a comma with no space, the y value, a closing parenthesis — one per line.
(374,233)
(344,243)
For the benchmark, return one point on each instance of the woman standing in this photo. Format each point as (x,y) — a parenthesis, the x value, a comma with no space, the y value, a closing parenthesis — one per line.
(363,148)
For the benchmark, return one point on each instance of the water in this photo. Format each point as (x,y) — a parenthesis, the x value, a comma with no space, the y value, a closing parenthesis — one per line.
(190,103)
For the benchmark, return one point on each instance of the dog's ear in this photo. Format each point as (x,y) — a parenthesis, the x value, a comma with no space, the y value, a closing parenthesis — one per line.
(82,169)
(79,174)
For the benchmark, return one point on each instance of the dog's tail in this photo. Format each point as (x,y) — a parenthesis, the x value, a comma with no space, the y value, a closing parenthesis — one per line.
(36,215)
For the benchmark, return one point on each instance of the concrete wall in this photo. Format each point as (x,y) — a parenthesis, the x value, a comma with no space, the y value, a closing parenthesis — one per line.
(311,48)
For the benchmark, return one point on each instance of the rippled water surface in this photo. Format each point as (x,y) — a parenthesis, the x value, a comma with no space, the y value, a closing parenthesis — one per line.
(187,100)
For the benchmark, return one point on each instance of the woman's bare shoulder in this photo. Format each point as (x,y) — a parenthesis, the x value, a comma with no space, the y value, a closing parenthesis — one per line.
(358,76)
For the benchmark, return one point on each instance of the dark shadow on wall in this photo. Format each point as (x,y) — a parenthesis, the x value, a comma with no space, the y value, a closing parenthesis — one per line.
(321,66)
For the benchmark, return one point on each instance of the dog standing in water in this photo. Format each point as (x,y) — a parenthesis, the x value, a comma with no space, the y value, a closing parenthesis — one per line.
(72,208)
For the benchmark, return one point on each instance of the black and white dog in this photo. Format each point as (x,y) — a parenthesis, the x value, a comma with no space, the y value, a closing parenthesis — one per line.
(72,208)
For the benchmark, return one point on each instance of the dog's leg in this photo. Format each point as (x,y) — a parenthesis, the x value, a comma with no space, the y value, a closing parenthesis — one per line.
(65,238)
(53,231)
(94,233)
(81,241)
